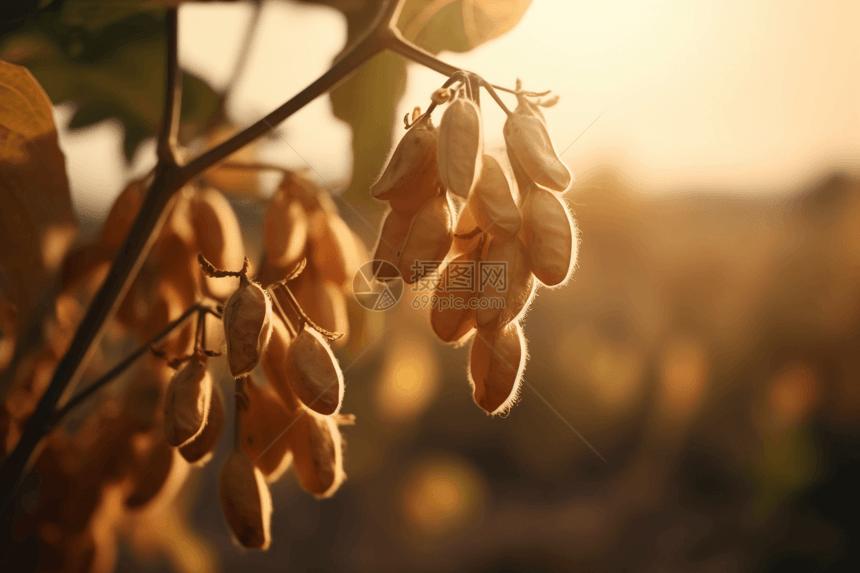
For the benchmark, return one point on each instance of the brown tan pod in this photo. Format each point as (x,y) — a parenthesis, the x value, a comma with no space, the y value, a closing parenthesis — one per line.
(529,146)
(429,239)
(176,262)
(262,431)
(85,266)
(496,366)
(460,146)
(505,302)
(122,214)
(467,233)
(324,303)
(245,501)
(275,364)
(167,307)
(337,253)
(412,173)
(237,182)
(187,402)
(314,373)
(219,237)
(247,326)
(158,473)
(199,450)
(395,228)
(285,231)
(143,401)
(317,453)
(492,202)
(550,237)
(452,324)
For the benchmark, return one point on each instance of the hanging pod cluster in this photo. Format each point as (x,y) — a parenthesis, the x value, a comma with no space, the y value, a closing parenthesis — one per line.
(419,225)
(291,421)
(301,222)
(509,233)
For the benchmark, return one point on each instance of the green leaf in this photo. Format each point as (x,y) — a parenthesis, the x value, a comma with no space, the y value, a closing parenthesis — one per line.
(114,72)
(366,101)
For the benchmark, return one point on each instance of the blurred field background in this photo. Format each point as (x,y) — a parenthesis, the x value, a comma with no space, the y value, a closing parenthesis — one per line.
(707,346)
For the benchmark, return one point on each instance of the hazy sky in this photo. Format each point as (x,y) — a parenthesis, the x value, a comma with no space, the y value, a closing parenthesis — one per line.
(735,95)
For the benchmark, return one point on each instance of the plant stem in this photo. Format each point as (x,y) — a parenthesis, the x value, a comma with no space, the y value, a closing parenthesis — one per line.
(166,150)
(399,45)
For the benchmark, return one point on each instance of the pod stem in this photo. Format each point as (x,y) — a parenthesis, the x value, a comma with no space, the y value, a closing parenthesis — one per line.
(290,326)
(305,319)
(242,402)
(212,271)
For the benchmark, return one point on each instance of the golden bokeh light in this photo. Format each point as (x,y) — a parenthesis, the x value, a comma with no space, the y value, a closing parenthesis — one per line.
(409,379)
(440,496)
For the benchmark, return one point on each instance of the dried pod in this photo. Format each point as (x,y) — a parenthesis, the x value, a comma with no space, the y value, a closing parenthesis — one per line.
(337,254)
(323,302)
(550,237)
(261,431)
(508,296)
(530,148)
(245,501)
(218,236)
(467,232)
(143,401)
(408,206)
(237,182)
(85,266)
(275,363)
(314,372)
(187,402)
(247,326)
(429,238)
(158,472)
(317,453)
(285,230)
(454,321)
(176,261)
(168,306)
(412,173)
(496,367)
(122,214)
(395,229)
(199,450)
(492,202)
(10,433)
(461,146)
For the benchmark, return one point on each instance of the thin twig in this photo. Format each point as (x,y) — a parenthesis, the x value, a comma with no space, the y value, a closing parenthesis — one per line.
(290,327)
(291,298)
(173,93)
(244,53)
(254,166)
(81,397)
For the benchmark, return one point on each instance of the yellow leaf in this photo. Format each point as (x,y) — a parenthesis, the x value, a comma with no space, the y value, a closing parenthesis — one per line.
(37,224)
